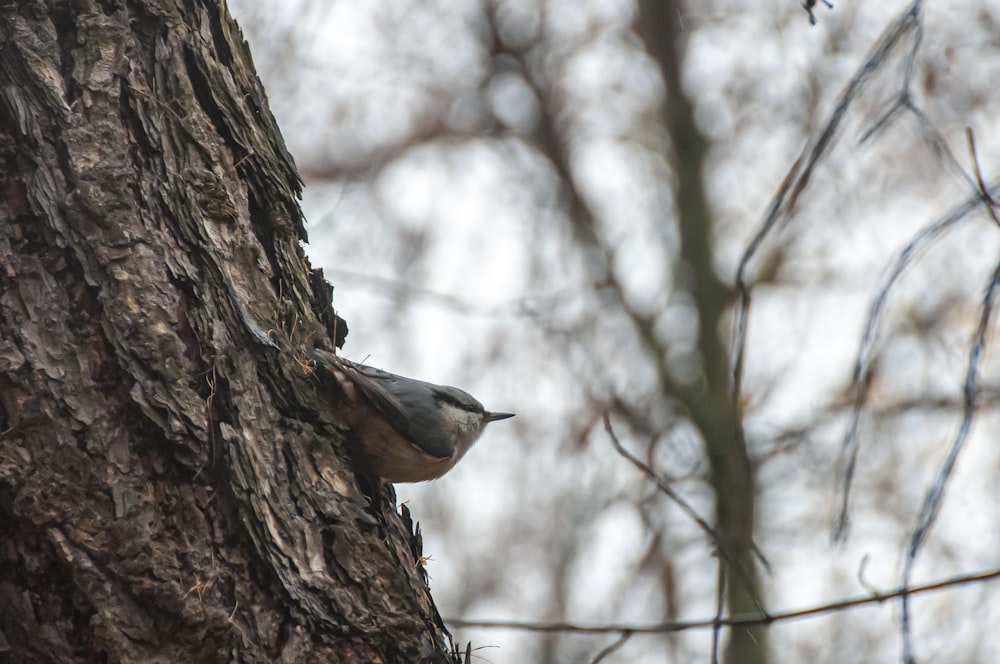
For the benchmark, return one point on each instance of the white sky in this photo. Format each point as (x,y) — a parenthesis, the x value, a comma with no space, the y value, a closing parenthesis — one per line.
(474,218)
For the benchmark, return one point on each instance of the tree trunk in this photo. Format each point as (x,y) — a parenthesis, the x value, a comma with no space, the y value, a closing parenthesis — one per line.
(173,486)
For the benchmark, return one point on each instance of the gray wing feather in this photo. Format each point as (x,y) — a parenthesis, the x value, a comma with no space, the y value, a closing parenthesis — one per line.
(405,410)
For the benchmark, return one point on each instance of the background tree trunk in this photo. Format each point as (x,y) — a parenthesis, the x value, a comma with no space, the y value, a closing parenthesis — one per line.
(170,489)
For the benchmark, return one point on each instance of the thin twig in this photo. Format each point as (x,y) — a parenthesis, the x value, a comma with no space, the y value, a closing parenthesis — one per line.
(799,176)
(720,595)
(862,377)
(990,202)
(935,495)
(732,621)
(676,497)
(615,645)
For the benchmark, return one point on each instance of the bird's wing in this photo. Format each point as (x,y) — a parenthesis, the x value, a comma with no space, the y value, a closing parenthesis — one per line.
(377,386)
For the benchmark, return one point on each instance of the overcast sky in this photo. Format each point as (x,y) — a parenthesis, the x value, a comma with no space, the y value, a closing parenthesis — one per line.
(442,227)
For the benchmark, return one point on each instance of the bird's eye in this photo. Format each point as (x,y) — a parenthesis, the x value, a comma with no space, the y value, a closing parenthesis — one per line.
(460,399)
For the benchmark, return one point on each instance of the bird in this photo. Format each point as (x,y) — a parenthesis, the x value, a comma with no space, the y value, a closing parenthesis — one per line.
(406,430)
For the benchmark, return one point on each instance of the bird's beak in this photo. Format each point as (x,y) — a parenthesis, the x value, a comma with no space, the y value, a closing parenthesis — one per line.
(493,417)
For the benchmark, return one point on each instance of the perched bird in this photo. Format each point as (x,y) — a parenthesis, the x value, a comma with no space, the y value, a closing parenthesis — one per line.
(406,430)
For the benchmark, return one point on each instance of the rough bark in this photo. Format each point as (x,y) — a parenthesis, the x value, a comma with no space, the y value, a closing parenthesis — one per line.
(172,487)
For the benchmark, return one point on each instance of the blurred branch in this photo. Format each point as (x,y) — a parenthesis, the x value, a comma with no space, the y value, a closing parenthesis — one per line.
(907,24)
(863,372)
(618,643)
(988,200)
(788,438)
(799,176)
(683,504)
(935,495)
(720,609)
(743,620)
(709,402)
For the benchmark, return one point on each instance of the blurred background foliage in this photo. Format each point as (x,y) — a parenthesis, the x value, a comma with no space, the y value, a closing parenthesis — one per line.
(449,149)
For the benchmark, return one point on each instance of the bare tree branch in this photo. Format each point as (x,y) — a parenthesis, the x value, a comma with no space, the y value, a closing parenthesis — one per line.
(681,502)
(862,364)
(745,620)
(935,495)
(799,176)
